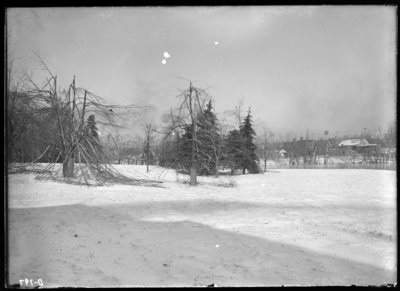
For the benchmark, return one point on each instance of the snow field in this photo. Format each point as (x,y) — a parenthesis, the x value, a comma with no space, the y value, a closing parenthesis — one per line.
(291,227)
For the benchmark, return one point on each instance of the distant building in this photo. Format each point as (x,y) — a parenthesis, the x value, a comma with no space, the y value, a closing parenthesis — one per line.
(355,145)
(334,142)
(354,142)
(322,146)
(305,145)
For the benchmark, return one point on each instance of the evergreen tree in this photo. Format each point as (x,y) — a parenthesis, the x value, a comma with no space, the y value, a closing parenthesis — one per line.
(92,128)
(234,155)
(208,120)
(205,145)
(92,141)
(241,150)
(248,135)
(184,157)
(207,140)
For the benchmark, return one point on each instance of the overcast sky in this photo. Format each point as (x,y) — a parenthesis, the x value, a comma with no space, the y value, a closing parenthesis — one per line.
(299,68)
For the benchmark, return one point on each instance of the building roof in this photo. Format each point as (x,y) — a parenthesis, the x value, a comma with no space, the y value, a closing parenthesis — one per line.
(334,141)
(354,142)
(303,144)
(322,143)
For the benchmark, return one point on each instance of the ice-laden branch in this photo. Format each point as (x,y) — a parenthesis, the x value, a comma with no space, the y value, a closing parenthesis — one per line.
(72,132)
(108,111)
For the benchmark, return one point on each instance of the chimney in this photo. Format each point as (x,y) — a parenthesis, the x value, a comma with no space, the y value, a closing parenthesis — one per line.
(301,138)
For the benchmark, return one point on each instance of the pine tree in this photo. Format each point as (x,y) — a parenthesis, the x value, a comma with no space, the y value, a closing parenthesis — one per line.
(234,155)
(207,140)
(92,141)
(248,135)
(184,156)
(92,128)
(206,143)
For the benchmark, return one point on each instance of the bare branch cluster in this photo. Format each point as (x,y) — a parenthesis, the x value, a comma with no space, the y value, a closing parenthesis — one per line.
(67,117)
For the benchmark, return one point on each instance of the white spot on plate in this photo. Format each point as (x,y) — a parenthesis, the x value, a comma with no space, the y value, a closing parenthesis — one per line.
(263,185)
(164,61)
(166,55)
(217,246)
(216,42)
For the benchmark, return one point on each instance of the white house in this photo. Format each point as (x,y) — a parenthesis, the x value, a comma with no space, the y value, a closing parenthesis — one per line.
(282,153)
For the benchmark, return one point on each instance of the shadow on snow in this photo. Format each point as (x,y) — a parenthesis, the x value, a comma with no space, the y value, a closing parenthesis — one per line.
(180,252)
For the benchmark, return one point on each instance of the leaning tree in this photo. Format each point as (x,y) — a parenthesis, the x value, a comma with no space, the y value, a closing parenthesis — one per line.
(73,115)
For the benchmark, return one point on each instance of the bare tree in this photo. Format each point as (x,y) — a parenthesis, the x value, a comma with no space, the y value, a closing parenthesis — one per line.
(291,147)
(149,130)
(21,112)
(155,144)
(219,142)
(265,145)
(211,138)
(236,114)
(67,108)
(186,115)
(391,134)
(117,142)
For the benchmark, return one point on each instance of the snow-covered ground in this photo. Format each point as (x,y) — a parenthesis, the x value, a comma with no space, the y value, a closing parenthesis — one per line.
(283,227)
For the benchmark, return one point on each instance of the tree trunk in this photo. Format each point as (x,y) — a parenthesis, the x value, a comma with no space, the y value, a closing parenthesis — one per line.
(193,169)
(147,160)
(193,177)
(193,180)
(68,167)
(244,170)
(216,168)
